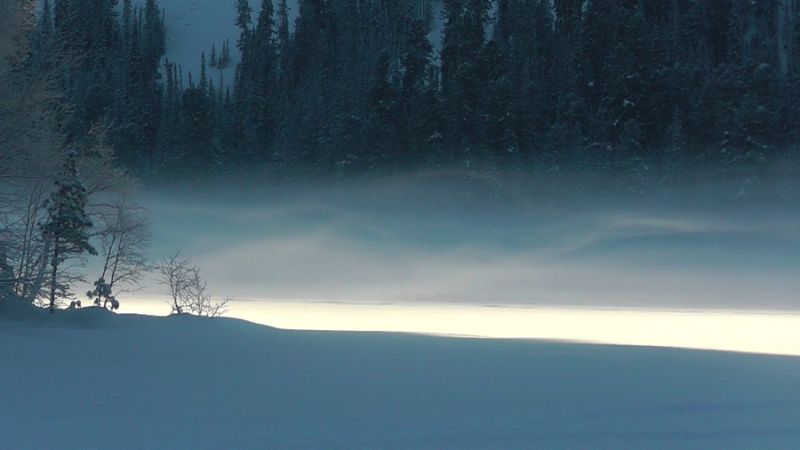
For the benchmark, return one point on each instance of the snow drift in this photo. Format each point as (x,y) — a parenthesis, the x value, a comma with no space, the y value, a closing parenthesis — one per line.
(89,379)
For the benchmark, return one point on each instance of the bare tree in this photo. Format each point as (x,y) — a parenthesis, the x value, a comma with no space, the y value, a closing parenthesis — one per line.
(124,236)
(30,145)
(102,175)
(187,289)
(6,277)
(175,273)
(24,247)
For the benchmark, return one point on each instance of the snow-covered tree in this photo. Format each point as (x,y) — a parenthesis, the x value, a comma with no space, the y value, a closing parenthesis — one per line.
(101,294)
(66,228)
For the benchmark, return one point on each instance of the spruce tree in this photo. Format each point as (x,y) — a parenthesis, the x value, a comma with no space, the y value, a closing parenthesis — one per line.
(283,22)
(43,42)
(225,58)
(415,110)
(462,87)
(66,229)
(244,21)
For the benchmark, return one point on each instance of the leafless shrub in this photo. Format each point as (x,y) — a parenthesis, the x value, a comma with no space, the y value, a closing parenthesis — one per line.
(198,300)
(187,289)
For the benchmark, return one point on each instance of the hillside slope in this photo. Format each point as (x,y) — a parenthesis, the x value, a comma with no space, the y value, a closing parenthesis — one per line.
(89,379)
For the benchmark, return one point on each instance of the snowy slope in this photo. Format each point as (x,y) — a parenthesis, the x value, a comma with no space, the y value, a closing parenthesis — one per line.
(193,26)
(91,380)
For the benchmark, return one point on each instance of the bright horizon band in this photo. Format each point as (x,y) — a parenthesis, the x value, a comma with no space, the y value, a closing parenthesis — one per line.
(768,332)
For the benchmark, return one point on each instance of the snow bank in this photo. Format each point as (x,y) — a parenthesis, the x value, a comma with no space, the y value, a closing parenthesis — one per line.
(89,379)
(194,26)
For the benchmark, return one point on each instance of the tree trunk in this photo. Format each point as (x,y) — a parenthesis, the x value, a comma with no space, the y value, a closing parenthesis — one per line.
(54,277)
(38,281)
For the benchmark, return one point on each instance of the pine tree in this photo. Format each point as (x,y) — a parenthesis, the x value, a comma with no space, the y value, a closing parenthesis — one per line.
(154,33)
(225,57)
(127,23)
(462,89)
(43,42)
(674,154)
(203,73)
(415,110)
(498,125)
(383,112)
(265,25)
(568,14)
(66,227)
(63,12)
(244,22)
(283,23)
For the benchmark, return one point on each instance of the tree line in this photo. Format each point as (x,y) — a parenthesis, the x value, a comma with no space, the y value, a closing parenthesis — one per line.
(360,85)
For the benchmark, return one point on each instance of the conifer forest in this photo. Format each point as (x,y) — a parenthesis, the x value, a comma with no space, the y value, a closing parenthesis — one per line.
(655,90)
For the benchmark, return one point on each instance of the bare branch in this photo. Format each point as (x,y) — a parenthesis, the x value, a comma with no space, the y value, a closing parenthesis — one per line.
(188,290)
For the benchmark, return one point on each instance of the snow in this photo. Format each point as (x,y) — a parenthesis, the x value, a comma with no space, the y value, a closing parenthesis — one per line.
(89,379)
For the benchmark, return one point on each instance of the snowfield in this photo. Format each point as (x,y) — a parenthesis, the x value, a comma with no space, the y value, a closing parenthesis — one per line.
(93,380)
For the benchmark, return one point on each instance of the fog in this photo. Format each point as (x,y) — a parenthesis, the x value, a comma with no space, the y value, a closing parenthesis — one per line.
(463,238)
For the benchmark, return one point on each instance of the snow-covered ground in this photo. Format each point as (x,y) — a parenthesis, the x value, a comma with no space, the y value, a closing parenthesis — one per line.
(92,380)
